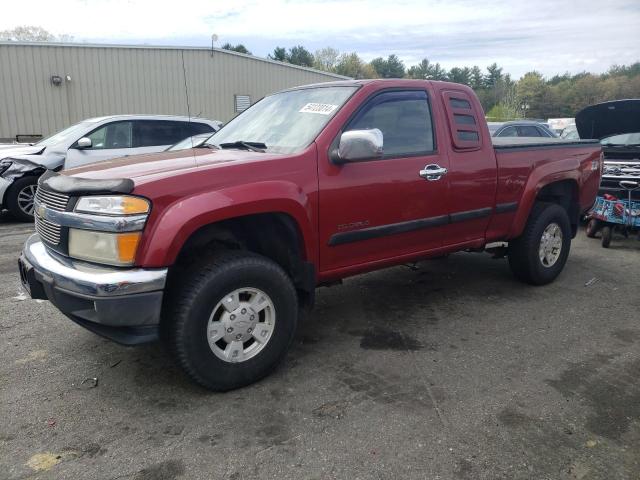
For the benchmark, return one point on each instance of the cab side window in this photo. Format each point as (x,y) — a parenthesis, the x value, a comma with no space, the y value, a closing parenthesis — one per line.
(404,119)
(111,136)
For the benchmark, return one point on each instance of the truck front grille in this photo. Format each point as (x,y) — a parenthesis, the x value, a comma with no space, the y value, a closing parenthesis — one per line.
(49,232)
(616,170)
(53,200)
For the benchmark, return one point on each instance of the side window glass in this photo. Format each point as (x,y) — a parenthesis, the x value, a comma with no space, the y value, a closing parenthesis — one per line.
(111,136)
(153,133)
(195,128)
(404,119)
(543,133)
(528,131)
(508,132)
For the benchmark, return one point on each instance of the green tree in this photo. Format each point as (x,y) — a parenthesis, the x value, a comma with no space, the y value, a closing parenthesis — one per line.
(392,67)
(32,33)
(420,71)
(299,55)
(494,75)
(427,70)
(240,48)
(460,75)
(436,72)
(533,94)
(476,77)
(326,59)
(279,54)
(351,65)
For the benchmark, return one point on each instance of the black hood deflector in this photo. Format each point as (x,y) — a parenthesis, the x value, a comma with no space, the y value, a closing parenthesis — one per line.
(609,118)
(84,186)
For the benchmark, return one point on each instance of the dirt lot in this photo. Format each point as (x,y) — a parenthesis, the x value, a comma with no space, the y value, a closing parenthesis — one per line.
(449,371)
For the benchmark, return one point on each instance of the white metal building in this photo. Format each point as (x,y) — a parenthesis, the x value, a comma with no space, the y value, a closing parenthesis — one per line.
(45,87)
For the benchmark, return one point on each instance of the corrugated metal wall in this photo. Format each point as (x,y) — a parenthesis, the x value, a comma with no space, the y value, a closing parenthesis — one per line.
(121,79)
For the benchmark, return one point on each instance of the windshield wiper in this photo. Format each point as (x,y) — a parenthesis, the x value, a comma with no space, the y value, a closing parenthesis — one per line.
(251,146)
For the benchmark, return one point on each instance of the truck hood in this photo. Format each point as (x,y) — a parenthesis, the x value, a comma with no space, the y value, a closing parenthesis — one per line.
(609,118)
(143,168)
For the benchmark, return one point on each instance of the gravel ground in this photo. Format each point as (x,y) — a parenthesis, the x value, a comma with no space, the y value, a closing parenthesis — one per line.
(451,370)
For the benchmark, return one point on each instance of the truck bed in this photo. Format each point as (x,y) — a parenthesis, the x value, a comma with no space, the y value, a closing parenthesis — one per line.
(523,164)
(504,143)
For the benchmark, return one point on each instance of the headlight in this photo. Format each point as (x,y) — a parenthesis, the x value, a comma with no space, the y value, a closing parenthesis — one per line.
(113,205)
(102,247)
(4,166)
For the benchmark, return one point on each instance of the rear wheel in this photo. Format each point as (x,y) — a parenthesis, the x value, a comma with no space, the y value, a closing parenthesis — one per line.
(231,322)
(21,197)
(592,228)
(540,253)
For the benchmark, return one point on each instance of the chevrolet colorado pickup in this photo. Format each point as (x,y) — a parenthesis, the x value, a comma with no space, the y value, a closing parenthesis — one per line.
(216,250)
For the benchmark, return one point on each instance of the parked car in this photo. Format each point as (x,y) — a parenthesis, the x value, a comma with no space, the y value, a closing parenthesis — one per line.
(227,244)
(522,128)
(89,141)
(617,125)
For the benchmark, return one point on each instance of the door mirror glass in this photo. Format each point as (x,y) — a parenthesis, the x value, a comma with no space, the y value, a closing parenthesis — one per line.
(84,142)
(356,145)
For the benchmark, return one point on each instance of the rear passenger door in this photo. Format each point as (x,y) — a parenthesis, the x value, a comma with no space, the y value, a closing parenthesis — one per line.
(157,135)
(378,209)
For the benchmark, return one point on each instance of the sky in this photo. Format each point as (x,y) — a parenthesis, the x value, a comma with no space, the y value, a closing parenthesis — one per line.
(548,36)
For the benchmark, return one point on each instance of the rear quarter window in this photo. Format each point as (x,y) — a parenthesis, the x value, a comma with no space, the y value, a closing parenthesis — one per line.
(463,120)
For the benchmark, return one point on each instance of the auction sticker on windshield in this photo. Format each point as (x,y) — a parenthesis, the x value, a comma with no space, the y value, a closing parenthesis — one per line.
(321,108)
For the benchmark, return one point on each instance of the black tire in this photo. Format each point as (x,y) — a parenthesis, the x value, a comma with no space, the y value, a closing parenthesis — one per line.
(593,226)
(607,233)
(193,297)
(14,204)
(523,253)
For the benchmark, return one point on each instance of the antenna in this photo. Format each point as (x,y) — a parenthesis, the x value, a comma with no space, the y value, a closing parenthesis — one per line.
(186,94)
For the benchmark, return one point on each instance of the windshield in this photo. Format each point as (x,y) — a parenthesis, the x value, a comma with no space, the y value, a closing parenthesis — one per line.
(285,122)
(189,142)
(623,139)
(68,133)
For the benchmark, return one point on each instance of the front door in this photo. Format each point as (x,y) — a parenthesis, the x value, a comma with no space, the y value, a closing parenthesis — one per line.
(380,209)
(108,141)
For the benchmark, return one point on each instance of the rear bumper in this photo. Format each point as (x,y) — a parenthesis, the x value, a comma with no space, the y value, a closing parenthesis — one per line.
(123,305)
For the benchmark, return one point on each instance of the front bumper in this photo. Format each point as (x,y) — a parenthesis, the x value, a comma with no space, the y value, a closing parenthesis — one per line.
(4,186)
(123,305)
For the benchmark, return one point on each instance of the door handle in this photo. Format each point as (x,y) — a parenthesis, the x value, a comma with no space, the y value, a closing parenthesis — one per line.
(433,172)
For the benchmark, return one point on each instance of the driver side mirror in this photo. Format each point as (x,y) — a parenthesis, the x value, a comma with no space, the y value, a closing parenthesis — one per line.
(358,145)
(84,142)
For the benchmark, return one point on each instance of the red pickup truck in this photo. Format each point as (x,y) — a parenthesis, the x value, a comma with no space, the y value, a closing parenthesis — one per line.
(217,249)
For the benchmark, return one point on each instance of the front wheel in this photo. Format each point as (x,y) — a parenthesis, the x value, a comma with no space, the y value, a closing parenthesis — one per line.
(540,253)
(231,321)
(21,197)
